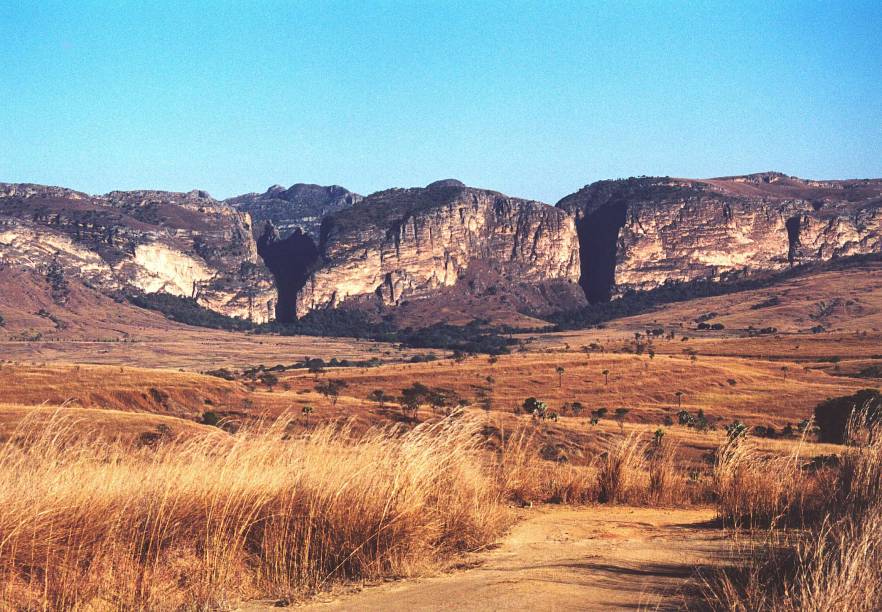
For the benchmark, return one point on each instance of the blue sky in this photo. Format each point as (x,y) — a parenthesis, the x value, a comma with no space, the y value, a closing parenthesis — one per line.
(534,99)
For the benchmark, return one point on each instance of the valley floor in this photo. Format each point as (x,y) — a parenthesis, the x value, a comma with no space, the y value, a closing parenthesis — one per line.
(594,558)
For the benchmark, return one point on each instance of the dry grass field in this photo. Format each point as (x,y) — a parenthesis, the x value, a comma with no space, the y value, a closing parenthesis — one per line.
(135,479)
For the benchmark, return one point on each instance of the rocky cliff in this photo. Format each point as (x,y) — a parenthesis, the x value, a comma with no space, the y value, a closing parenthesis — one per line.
(185,244)
(640,233)
(299,207)
(405,244)
(445,251)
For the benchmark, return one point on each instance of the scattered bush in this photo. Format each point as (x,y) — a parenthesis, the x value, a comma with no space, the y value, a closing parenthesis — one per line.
(832,416)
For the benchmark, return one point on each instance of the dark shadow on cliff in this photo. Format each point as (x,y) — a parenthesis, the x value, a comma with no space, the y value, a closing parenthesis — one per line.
(598,239)
(291,261)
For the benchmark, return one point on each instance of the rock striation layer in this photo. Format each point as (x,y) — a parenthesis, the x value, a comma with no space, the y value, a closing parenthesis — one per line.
(641,233)
(404,244)
(184,244)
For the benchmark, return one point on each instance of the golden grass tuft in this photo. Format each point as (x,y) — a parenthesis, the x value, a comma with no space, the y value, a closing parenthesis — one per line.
(834,563)
(210,520)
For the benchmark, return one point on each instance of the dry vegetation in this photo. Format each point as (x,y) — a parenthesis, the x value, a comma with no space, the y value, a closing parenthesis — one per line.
(91,519)
(213,518)
(208,519)
(117,496)
(820,531)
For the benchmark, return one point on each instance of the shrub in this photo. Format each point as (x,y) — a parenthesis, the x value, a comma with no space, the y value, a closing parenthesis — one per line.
(832,416)
(532,405)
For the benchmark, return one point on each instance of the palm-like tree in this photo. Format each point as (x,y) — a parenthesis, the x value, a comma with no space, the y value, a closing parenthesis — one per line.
(307,410)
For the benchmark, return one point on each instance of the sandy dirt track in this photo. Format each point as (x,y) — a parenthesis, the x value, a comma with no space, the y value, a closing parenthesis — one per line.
(598,558)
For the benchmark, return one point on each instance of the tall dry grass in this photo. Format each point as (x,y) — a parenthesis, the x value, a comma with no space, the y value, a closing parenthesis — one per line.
(753,488)
(833,561)
(213,519)
(628,471)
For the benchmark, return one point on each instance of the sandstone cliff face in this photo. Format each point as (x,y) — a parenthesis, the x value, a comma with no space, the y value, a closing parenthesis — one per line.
(408,243)
(299,207)
(638,234)
(184,244)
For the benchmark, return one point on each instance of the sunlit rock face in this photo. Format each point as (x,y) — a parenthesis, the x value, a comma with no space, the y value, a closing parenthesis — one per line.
(641,233)
(407,243)
(184,244)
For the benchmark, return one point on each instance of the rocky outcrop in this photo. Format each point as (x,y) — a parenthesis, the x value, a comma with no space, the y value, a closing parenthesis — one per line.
(299,207)
(641,233)
(404,244)
(185,244)
(438,249)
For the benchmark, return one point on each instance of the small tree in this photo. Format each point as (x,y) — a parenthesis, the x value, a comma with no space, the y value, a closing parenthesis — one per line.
(316,367)
(657,437)
(439,399)
(485,398)
(379,396)
(269,379)
(306,411)
(534,407)
(413,397)
(331,389)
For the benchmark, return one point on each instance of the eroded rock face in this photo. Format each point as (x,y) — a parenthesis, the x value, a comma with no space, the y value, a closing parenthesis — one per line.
(185,244)
(408,243)
(638,234)
(299,207)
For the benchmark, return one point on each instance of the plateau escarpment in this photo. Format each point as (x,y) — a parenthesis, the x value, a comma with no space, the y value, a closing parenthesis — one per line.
(184,244)
(406,244)
(445,252)
(641,233)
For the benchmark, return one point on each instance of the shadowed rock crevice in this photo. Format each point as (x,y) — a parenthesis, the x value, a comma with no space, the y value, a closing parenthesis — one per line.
(291,261)
(793,225)
(598,239)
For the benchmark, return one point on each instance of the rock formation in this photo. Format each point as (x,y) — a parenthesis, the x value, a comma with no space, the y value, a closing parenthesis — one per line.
(409,243)
(300,206)
(184,244)
(640,233)
(434,249)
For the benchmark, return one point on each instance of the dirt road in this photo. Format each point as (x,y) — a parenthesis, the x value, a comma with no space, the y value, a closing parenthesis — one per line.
(597,558)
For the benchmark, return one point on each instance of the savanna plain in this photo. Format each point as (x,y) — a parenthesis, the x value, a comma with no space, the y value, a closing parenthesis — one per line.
(674,459)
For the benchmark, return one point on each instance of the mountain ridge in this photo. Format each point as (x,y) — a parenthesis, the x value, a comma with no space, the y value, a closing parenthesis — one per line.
(461,250)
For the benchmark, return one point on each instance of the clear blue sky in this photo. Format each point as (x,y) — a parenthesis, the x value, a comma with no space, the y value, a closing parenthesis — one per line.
(534,99)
